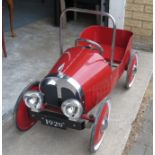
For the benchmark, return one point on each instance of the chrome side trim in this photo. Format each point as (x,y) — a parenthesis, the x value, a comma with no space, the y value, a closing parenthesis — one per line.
(77,86)
(71,84)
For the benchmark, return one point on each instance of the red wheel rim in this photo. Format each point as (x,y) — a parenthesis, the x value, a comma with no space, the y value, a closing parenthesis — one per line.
(99,129)
(132,71)
(23,119)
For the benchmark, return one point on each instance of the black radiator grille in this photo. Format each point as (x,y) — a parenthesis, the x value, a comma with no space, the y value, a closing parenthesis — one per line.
(51,95)
(66,94)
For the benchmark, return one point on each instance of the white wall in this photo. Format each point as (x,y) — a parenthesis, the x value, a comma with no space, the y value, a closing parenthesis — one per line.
(117,10)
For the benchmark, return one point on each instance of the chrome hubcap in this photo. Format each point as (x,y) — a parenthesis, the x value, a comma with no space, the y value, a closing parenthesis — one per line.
(104,125)
(134,70)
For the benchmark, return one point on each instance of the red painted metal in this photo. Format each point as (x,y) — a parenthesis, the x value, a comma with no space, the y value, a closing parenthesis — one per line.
(23,119)
(96,73)
(92,70)
(103,36)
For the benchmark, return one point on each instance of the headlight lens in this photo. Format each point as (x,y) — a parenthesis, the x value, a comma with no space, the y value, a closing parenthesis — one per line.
(33,100)
(72,108)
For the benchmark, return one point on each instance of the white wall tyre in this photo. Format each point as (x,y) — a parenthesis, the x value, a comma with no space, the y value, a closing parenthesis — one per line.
(100,125)
(131,70)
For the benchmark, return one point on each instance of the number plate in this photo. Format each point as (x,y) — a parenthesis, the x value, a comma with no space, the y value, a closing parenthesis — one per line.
(53,123)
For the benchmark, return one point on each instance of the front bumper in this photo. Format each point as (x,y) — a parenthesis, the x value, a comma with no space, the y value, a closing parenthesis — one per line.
(57,119)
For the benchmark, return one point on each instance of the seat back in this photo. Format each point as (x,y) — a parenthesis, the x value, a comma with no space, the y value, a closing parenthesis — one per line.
(103,35)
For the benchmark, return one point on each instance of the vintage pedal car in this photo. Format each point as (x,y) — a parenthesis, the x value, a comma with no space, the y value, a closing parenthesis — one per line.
(82,78)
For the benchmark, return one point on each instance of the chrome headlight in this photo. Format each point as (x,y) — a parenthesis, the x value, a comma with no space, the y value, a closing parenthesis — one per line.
(33,100)
(72,108)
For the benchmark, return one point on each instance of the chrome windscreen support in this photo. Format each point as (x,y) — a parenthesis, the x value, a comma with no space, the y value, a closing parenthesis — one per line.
(94,13)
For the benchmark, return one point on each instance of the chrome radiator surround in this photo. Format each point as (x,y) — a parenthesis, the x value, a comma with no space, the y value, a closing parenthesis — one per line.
(63,81)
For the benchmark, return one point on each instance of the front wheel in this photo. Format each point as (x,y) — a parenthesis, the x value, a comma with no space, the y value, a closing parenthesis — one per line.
(100,125)
(131,70)
(21,112)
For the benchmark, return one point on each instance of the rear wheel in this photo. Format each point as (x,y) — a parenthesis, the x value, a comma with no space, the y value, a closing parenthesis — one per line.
(100,125)
(131,70)
(22,117)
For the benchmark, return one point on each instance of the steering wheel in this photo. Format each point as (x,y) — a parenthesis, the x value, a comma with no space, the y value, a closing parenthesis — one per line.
(91,44)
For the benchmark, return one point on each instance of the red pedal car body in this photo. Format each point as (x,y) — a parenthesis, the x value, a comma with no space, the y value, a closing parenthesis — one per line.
(81,79)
